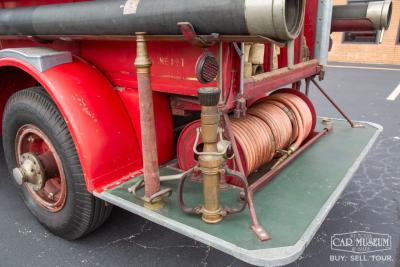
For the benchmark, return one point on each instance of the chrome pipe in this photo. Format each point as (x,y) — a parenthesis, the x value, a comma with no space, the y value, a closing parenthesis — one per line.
(371,16)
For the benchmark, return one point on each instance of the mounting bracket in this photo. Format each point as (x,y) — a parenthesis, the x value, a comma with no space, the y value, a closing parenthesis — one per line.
(191,36)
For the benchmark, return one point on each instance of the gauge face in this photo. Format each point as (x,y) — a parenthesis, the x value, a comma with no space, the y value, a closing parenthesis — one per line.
(207,68)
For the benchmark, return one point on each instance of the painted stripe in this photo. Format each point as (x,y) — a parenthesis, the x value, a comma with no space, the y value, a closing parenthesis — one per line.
(394,94)
(361,68)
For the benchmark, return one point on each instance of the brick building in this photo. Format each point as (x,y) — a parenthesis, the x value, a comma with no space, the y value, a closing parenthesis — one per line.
(364,48)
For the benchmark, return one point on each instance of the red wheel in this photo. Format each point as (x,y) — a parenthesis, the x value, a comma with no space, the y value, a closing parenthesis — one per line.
(41,155)
(50,190)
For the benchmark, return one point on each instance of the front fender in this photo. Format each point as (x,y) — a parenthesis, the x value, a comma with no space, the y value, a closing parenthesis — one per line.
(100,126)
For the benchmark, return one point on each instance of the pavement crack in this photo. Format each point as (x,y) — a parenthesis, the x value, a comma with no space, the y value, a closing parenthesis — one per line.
(204,260)
(231,263)
(123,239)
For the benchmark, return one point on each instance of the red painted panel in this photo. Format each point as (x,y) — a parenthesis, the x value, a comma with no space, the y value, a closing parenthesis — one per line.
(310,24)
(173,69)
(162,117)
(95,115)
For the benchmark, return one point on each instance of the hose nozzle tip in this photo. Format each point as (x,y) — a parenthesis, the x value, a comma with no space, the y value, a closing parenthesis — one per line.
(209,96)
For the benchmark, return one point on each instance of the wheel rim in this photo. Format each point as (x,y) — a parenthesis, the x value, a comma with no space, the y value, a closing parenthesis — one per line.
(53,194)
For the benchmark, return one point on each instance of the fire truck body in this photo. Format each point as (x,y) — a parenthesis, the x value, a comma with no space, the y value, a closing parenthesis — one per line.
(82,54)
(173,72)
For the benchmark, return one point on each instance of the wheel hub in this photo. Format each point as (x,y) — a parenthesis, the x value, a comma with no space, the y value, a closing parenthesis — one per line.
(30,171)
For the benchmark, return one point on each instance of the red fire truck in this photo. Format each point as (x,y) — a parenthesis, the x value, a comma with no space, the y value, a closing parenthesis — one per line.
(188,113)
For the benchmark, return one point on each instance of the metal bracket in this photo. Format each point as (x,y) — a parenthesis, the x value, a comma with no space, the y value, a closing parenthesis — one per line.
(247,198)
(225,211)
(162,194)
(222,145)
(350,121)
(39,40)
(40,58)
(191,36)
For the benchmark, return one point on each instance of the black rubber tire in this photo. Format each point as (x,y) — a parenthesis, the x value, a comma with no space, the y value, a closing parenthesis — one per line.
(82,212)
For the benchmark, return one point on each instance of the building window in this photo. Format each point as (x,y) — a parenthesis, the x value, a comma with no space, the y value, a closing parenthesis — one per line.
(361,37)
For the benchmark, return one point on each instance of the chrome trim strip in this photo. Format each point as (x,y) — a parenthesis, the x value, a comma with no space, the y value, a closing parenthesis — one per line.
(40,58)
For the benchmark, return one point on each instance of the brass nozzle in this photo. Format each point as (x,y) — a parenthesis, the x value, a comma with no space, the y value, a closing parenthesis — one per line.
(210,164)
(142,61)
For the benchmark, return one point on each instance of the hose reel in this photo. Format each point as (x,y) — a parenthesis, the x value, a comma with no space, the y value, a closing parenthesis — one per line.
(274,126)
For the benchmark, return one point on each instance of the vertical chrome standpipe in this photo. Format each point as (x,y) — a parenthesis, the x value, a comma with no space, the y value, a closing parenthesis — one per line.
(290,54)
(149,145)
(209,160)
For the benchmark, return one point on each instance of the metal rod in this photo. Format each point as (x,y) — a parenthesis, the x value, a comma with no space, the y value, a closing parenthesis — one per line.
(255,225)
(381,34)
(240,52)
(290,54)
(266,178)
(322,31)
(147,125)
(231,135)
(269,81)
(242,68)
(352,124)
(220,72)
(247,196)
(307,90)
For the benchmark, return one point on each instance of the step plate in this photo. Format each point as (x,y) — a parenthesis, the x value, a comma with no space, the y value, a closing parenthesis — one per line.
(291,208)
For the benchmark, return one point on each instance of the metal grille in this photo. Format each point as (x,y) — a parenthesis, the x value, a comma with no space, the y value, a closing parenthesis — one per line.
(207,68)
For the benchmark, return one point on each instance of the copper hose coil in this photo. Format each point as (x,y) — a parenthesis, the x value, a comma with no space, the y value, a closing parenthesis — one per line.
(270,148)
(289,114)
(275,118)
(303,109)
(280,121)
(290,103)
(255,139)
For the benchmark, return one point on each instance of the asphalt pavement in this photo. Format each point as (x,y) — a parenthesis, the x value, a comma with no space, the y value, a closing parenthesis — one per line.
(370,203)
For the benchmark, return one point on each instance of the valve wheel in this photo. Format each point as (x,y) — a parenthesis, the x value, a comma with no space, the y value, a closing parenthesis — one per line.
(51,192)
(41,155)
